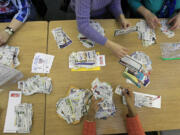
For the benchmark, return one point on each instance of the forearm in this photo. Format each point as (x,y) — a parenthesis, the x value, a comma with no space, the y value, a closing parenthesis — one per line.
(134,126)
(85,29)
(143,11)
(15,24)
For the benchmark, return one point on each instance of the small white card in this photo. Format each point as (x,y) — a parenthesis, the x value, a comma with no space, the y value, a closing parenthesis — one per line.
(14,100)
(101,60)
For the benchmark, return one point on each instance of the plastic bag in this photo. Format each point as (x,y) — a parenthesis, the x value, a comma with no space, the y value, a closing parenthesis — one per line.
(170,51)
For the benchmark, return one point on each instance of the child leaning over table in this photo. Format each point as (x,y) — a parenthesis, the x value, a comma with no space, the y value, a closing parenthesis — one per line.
(16,12)
(133,123)
(99,9)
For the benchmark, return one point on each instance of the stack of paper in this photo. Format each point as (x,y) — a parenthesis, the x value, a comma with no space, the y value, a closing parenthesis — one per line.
(24,117)
(42,63)
(73,107)
(165,28)
(146,34)
(138,68)
(104,91)
(62,39)
(36,84)
(9,56)
(86,59)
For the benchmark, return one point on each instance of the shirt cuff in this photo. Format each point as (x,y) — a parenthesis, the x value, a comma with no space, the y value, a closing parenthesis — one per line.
(89,128)
(103,41)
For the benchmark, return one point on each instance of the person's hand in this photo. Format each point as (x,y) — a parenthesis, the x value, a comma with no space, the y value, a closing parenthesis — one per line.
(129,96)
(117,49)
(152,20)
(93,109)
(4,36)
(123,21)
(174,22)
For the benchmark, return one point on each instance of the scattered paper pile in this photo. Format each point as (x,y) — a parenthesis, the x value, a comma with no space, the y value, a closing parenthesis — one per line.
(86,59)
(138,68)
(165,28)
(73,107)
(9,75)
(170,51)
(142,99)
(62,39)
(42,63)
(35,84)
(24,117)
(104,91)
(9,56)
(146,34)
(87,42)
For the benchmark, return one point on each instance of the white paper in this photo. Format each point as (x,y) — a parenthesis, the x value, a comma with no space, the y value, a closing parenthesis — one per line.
(101,60)
(142,99)
(42,63)
(14,99)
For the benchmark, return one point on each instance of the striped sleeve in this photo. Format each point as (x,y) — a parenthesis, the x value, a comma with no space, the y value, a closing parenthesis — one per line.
(23,10)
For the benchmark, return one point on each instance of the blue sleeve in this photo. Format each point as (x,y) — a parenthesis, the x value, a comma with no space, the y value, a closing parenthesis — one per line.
(23,10)
(82,10)
(115,8)
(135,4)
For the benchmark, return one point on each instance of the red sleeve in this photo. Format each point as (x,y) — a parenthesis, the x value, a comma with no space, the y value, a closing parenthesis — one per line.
(133,126)
(89,128)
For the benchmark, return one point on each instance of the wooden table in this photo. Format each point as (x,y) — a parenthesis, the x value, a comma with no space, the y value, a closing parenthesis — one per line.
(31,38)
(164,81)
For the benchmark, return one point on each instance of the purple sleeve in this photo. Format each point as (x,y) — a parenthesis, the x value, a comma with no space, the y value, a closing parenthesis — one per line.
(82,9)
(115,8)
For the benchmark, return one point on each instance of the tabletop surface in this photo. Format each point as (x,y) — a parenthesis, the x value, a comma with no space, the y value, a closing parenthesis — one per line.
(164,81)
(31,38)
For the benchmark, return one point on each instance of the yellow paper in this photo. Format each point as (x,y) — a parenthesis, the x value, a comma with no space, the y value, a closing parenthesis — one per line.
(88,69)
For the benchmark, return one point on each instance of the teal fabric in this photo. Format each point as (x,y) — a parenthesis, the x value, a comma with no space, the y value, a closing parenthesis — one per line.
(153,5)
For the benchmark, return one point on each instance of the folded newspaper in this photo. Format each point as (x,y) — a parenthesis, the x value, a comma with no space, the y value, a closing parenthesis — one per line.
(73,107)
(9,75)
(104,91)
(24,115)
(36,84)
